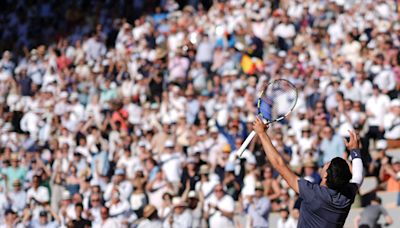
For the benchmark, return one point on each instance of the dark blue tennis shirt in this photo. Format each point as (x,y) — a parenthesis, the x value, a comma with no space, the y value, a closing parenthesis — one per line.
(324,207)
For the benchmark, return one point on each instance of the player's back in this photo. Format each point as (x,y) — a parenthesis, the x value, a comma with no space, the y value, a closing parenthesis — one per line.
(324,207)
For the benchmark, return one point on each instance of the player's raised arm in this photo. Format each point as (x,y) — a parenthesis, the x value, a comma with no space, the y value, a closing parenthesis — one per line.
(274,157)
(353,145)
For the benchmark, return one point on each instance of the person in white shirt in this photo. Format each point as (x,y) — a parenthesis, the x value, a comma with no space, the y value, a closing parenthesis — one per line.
(106,221)
(180,217)
(151,219)
(219,208)
(376,107)
(285,32)
(285,220)
(121,184)
(36,193)
(117,206)
(17,197)
(171,164)
(392,124)
(386,80)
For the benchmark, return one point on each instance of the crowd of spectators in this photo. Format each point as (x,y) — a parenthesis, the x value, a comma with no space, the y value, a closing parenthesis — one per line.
(112,122)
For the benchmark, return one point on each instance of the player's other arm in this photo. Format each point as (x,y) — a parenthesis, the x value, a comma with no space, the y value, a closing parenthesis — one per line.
(357,166)
(274,157)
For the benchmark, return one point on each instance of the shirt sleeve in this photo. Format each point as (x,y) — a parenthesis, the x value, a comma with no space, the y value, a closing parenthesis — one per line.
(383,211)
(307,190)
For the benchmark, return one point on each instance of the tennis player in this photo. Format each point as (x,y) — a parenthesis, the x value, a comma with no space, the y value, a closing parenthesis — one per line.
(328,204)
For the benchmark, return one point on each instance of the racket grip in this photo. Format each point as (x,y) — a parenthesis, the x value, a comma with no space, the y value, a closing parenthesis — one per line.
(245,144)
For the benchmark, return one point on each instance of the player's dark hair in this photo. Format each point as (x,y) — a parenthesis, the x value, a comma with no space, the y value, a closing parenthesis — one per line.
(338,174)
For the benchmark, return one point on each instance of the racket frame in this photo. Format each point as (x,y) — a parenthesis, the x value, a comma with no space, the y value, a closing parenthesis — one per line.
(266,121)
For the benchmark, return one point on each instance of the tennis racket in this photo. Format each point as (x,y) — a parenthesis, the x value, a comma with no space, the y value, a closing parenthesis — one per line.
(276,101)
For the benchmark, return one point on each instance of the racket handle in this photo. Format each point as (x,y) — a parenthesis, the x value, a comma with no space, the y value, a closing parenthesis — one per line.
(245,144)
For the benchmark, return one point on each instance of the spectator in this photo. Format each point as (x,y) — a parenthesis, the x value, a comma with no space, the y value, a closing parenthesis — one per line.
(180,216)
(219,208)
(151,218)
(332,145)
(285,220)
(258,207)
(89,103)
(370,215)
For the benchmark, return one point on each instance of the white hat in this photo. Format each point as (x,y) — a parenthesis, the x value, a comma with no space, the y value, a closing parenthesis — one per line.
(66,195)
(381,144)
(192,194)
(178,202)
(169,144)
(364,37)
(213,129)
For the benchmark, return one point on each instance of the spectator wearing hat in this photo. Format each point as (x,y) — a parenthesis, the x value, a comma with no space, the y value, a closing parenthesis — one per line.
(219,208)
(118,207)
(119,183)
(223,160)
(151,219)
(180,216)
(195,204)
(207,181)
(370,215)
(17,197)
(258,207)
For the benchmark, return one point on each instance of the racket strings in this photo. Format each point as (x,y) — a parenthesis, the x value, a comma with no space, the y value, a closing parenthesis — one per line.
(277,100)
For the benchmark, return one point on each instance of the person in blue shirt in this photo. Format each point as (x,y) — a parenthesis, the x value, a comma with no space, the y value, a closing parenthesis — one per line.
(326,204)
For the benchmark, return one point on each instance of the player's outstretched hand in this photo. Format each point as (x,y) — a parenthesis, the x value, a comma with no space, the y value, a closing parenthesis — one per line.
(258,126)
(354,141)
